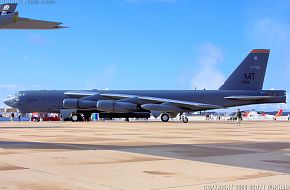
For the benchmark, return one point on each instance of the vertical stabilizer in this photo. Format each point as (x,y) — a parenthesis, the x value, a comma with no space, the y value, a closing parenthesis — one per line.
(279,113)
(7,9)
(250,73)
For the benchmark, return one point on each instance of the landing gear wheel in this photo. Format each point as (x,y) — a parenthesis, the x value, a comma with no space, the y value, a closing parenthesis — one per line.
(127,119)
(184,119)
(76,117)
(165,117)
(87,117)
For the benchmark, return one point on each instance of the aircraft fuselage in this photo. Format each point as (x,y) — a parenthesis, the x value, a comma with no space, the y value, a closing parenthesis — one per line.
(51,101)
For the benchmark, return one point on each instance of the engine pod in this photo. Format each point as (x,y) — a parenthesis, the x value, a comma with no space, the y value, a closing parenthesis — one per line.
(111,106)
(79,104)
(70,103)
(87,104)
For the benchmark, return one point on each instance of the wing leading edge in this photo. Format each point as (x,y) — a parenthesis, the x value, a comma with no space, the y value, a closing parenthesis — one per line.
(147,102)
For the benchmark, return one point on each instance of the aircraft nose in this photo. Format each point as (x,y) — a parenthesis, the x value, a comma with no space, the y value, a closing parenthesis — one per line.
(11,102)
(8,102)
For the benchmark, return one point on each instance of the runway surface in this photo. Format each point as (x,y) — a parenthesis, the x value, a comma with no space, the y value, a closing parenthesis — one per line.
(145,155)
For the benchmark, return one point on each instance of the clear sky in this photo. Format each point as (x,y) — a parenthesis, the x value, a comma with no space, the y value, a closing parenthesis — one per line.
(144,44)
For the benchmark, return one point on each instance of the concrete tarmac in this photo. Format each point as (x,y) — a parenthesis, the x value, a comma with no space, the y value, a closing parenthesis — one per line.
(145,155)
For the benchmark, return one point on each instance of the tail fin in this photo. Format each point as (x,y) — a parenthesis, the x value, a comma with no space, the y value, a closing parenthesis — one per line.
(279,113)
(250,73)
(7,8)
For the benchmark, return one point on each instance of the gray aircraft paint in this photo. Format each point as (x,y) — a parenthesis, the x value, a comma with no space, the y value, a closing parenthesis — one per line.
(243,87)
(9,19)
(52,101)
(7,14)
(250,73)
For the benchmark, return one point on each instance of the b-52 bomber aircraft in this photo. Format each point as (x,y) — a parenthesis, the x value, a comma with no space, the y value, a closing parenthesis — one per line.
(243,87)
(9,19)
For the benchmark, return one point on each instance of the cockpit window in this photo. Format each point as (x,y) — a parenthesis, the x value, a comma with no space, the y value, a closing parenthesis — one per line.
(17,95)
(17,98)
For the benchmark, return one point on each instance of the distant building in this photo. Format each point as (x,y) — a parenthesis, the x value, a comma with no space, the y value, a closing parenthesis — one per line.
(10,110)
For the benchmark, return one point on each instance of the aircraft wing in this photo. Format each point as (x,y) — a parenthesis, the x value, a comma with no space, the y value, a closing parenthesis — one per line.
(80,94)
(30,24)
(164,101)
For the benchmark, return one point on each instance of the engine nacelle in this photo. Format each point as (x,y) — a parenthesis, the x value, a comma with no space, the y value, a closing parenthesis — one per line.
(162,108)
(125,115)
(111,106)
(70,103)
(79,104)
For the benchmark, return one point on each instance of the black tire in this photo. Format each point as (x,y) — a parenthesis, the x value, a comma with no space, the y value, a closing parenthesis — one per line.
(165,117)
(87,117)
(185,120)
(75,117)
(127,120)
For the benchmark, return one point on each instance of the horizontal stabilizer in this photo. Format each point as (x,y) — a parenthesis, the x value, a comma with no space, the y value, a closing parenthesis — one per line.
(30,24)
(9,19)
(246,98)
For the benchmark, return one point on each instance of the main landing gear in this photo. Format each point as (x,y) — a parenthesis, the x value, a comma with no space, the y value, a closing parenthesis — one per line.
(76,117)
(165,118)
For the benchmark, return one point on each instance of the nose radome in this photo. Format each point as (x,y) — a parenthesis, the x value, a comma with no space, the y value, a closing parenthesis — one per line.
(8,102)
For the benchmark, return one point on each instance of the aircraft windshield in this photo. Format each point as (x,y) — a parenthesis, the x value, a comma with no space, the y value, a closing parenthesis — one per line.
(17,95)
